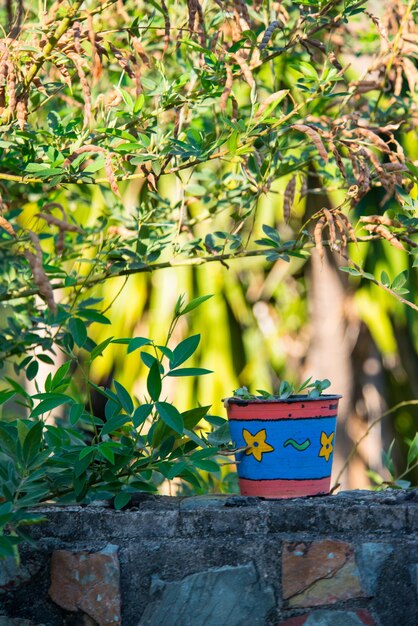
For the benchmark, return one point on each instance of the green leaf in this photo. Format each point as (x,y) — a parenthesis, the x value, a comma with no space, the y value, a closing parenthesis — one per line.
(350,270)
(121,500)
(399,282)
(93,316)
(78,331)
(141,413)
(5,512)
(8,439)
(32,370)
(149,360)
(189,371)
(413,451)
(384,278)
(6,395)
(193,304)
(176,470)
(206,465)
(106,451)
(51,403)
(76,412)
(139,103)
(192,417)
(137,342)
(272,233)
(60,374)
(220,436)
(166,351)
(114,423)
(124,397)
(387,459)
(195,438)
(170,416)
(87,451)
(32,443)
(184,351)
(99,349)
(154,385)
(7,544)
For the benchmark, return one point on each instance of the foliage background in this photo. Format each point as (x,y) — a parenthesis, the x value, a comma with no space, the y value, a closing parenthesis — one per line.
(160,136)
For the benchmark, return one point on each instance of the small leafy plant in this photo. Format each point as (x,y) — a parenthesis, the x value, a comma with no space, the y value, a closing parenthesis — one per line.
(396,479)
(285,390)
(75,455)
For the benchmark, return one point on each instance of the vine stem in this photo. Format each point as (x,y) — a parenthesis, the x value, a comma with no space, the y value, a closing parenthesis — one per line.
(284,250)
(377,282)
(372,425)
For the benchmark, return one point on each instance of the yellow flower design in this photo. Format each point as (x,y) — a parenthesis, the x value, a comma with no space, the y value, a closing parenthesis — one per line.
(327,447)
(257,443)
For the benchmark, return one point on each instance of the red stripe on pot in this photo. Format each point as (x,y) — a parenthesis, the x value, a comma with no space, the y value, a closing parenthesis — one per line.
(281,410)
(284,488)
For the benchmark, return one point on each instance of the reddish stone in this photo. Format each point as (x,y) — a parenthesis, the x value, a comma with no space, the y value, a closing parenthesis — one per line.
(294,621)
(322,572)
(89,582)
(366,617)
(330,618)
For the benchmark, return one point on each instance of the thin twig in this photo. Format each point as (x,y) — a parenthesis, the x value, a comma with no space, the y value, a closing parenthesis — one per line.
(376,421)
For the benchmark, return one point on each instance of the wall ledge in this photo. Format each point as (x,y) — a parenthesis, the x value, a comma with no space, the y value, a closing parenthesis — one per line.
(344,560)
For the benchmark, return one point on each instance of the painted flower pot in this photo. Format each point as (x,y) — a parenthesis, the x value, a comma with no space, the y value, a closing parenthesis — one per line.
(289,444)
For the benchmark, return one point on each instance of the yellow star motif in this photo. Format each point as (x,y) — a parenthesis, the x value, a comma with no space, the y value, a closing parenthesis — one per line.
(257,443)
(327,447)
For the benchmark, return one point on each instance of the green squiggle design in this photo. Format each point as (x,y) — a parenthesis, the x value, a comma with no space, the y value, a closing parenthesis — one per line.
(298,446)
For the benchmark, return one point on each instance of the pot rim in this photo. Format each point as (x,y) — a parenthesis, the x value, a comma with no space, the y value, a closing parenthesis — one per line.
(290,400)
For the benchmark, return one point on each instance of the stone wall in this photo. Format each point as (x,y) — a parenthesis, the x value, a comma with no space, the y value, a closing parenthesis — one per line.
(345,560)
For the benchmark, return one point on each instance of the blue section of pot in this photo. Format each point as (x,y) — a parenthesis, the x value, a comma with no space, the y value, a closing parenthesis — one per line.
(302,449)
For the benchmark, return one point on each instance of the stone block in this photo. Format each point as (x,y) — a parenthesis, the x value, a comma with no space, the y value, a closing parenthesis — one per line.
(230,596)
(412,518)
(318,573)
(326,617)
(291,516)
(230,521)
(414,577)
(119,525)
(14,573)
(370,559)
(390,518)
(88,582)
(15,621)
(199,503)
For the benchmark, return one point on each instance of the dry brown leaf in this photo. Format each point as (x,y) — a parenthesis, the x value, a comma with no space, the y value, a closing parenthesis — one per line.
(314,137)
(270,99)
(318,236)
(375,139)
(5,225)
(61,224)
(268,34)
(38,272)
(289,197)
(385,233)
(331,227)
(228,87)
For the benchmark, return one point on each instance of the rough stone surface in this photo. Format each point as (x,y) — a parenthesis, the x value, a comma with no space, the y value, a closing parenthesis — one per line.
(229,595)
(370,558)
(15,621)
(13,573)
(186,542)
(331,618)
(414,576)
(89,582)
(322,572)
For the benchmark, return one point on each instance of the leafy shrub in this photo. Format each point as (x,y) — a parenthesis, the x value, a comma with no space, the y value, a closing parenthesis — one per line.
(198,113)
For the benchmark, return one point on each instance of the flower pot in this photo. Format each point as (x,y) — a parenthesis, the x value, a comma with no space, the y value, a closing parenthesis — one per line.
(289,444)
